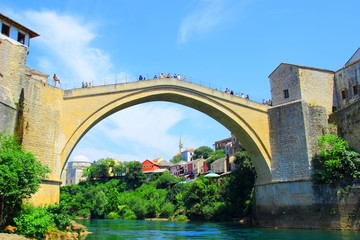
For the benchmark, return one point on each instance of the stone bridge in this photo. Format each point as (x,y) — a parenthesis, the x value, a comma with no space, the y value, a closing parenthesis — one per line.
(54,120)
(83,108)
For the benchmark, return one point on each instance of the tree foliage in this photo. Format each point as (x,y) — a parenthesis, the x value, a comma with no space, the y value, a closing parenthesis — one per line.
(202,152)
(336,164)
(177,158)
(20,176)
(163,195)
(215,155)
(100,169)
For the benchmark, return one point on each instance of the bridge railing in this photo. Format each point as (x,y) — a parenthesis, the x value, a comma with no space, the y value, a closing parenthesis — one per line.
(69,85)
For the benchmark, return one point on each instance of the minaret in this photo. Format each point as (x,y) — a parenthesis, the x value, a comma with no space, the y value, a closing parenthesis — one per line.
(180,145)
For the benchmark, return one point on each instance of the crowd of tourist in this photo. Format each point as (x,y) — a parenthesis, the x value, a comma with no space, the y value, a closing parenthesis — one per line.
(178,76)
(161,75)
(242,95)
(267,102)
(86,85)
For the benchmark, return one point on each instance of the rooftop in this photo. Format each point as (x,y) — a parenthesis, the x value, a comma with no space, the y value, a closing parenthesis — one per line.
(31,33)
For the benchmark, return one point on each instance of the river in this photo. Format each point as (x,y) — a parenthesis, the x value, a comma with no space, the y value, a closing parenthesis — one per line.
(141,229)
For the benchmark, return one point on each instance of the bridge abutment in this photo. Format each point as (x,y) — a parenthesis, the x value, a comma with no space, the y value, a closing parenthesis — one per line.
(300,204)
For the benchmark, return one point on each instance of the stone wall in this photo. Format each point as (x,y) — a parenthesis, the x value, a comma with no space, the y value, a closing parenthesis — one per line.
(347,121)
(294,128)
(303,205)
(302,83)
(31,109)
(12,62)
(285,76)
(345,79)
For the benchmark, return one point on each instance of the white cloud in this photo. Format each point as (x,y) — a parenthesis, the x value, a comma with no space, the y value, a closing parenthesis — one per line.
(80,158)
(67,43)
(148,126)
(207,15)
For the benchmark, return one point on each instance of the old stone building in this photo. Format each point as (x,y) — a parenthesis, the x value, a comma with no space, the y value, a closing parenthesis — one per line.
(74,172)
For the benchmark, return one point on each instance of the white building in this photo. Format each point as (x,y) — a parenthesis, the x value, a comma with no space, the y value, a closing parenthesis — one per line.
(74,172)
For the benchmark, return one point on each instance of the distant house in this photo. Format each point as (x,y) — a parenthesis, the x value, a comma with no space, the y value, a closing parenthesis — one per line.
(157,165)
(223,165)
(148,165)
(230,145)
(16,31)
(198,166)
(188,154)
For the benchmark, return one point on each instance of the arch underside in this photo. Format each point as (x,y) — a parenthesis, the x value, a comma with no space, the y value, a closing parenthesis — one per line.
(215,108)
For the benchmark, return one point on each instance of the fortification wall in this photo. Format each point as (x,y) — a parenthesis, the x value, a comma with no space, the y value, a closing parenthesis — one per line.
(12,68)
(294,128)
(31,109)
(304,205)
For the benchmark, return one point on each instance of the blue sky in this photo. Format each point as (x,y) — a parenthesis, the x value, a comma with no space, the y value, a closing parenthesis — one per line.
(216,43)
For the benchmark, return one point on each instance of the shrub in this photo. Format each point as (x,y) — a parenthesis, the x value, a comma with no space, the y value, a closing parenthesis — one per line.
(20,176)
(34,222)
(113,215)
(336,164)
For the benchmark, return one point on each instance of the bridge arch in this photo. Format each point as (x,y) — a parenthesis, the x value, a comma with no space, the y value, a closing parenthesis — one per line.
(246,119)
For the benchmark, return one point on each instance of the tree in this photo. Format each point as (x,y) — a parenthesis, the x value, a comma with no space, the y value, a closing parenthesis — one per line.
(336,164)
(215,156)
(20,176)
(177,158)
(202,152)
(134,176)
(101,169)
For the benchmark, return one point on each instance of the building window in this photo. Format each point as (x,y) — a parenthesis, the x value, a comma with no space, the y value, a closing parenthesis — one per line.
(21,38)
(343,94)
(286,93)
(355,89)
(5,29)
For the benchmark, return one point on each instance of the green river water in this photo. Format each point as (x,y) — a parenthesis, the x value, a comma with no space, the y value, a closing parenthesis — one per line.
(141,229)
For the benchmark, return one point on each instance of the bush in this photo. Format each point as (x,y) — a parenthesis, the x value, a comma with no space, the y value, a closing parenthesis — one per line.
(20,176)
(113,215)
(181,218)
(336,164)
(61,218)
(34,222)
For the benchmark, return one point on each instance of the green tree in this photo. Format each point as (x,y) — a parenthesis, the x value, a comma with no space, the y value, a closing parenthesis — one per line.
(202,152)
(134,176)
(20,176)
(101,169)
(215,156)
(165,181)
(336,164)
(238,187)
(177,158)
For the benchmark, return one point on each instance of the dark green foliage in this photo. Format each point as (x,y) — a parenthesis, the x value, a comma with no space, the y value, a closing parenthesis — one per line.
(60,217)
(134,176)
(336,164)
(101,169)
(238,187)
(165,196)
(166,181)
(34,222)
(202,152)
(20,176)
(215,156)
(177,158)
